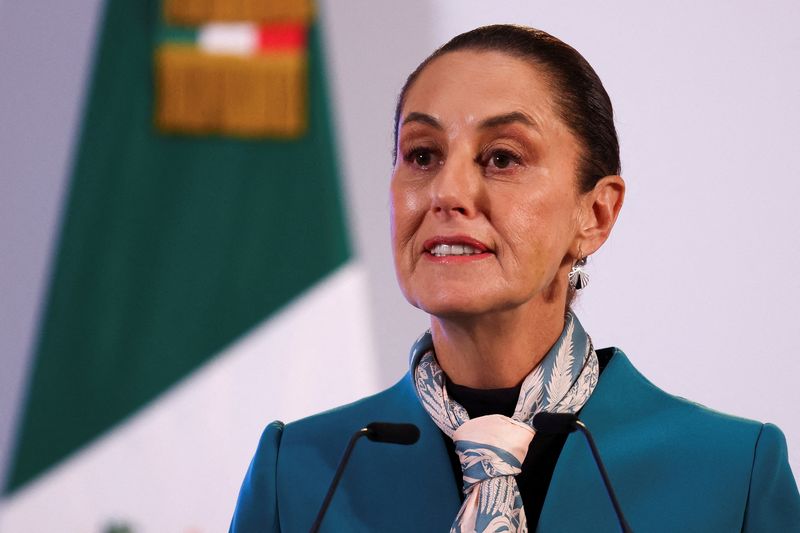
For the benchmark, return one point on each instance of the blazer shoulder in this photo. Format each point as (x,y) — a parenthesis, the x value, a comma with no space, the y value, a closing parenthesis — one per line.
(287,454)
(257,505)
(623,387)
(639,417)
(773,501)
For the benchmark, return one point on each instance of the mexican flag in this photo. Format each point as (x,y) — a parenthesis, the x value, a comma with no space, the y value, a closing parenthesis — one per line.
(203,283)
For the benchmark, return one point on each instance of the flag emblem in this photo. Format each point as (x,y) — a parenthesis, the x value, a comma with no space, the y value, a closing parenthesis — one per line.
(233,68)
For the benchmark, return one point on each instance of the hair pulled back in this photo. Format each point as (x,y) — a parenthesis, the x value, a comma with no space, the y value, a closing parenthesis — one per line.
(583,103)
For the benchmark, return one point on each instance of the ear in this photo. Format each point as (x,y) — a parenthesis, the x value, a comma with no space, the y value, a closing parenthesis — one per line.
(599,210)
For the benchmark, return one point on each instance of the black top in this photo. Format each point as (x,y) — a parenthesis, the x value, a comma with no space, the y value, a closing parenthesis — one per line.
(544,450)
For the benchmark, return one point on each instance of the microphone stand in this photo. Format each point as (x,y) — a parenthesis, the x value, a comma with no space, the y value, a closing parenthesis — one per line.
(561,423)
(578,424)
(363,432)
(388,432)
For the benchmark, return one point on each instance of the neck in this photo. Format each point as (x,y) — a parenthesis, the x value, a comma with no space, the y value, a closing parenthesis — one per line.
(496,350)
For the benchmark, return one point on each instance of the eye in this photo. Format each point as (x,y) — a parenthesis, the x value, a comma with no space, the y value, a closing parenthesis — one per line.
(423,158)
(499,159)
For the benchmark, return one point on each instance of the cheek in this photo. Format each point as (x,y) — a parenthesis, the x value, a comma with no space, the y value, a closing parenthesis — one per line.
(407,210)
(538,232)
(406,198)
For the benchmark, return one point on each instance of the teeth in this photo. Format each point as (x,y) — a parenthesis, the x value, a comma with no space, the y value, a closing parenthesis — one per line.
(442,250)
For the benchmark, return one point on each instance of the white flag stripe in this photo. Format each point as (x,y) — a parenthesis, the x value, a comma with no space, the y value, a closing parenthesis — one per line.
(238,38)
(177,465)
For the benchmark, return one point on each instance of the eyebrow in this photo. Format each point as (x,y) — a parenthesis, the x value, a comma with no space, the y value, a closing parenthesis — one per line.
(488,123)
(423,118)
(508,118)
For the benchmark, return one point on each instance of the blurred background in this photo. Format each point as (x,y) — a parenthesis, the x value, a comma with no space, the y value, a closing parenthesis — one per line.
(175,273)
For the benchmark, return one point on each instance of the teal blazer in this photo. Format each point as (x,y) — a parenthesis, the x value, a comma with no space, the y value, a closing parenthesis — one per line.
(676,466)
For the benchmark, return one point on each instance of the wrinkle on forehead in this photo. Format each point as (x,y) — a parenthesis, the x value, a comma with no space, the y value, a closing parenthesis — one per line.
(435,121)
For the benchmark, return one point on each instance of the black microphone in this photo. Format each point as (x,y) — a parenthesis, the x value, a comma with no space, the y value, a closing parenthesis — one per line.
(392,433)
(560,423)
(376,432)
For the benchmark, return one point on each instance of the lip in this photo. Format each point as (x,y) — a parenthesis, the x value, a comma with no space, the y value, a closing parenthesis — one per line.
(455,239)
(428,245)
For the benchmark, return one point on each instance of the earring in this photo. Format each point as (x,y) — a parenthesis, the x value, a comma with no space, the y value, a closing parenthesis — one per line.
(578,277)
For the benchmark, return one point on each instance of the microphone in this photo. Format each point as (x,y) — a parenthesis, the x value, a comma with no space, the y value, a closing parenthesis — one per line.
(376,432)
(392,433)
(560,423)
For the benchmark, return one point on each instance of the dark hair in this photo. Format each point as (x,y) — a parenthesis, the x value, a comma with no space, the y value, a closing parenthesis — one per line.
(583,103)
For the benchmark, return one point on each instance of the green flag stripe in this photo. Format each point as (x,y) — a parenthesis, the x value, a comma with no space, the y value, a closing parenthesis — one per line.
(177,34)
(171,246)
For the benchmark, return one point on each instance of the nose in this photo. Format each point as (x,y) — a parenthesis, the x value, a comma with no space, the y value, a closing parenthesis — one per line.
(456,188)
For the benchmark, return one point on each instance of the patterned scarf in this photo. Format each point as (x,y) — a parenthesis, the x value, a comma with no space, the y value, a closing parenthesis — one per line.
(492,448)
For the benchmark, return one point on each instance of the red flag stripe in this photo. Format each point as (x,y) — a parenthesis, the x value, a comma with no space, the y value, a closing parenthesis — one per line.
(281,37)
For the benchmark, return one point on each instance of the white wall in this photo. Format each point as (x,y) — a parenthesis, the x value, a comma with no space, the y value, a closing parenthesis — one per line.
(45,59)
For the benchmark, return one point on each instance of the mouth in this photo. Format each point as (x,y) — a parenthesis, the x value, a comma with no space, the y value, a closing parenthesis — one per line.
(455,246)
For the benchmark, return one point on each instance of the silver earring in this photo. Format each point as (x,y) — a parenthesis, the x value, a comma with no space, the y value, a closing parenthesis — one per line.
(578,277)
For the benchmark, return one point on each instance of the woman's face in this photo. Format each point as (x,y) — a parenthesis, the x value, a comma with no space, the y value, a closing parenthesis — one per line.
(485,207)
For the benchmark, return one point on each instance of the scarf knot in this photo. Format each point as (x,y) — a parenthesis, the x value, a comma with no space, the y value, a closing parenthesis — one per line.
(491,446)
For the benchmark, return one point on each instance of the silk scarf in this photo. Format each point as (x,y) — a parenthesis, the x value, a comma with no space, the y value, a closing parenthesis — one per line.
(492,448)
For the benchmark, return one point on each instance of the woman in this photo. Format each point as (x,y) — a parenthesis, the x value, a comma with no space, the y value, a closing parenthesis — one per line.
(506,178)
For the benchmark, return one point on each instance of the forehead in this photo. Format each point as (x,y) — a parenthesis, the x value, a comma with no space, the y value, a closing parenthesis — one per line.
(469,85)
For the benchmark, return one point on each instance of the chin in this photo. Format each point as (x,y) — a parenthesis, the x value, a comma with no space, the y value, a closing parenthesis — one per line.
(454,311)
(454,304)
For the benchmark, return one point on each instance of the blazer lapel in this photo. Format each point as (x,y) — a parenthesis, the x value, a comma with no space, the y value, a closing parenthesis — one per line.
(577,499)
